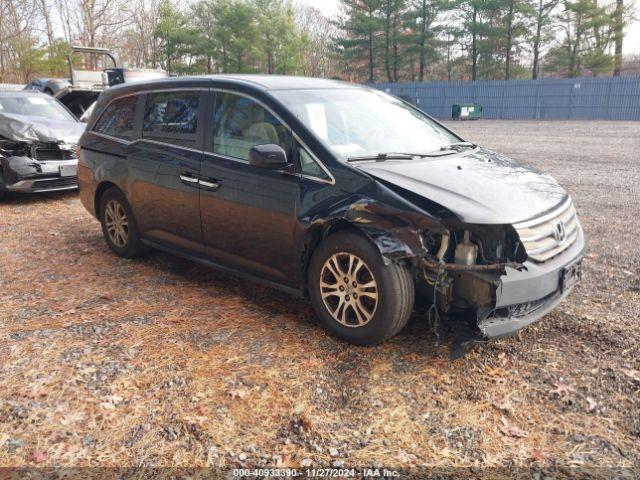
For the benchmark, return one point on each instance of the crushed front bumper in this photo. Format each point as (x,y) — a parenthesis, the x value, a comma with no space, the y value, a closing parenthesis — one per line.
(24,174)
(525,296)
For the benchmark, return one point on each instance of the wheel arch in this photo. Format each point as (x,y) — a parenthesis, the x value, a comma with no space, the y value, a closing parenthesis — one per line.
(391,245)
(100,190)
(394,225)
(395,286)
(317,234)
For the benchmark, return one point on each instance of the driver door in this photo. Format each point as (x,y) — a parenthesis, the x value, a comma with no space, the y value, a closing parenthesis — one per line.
(248,214)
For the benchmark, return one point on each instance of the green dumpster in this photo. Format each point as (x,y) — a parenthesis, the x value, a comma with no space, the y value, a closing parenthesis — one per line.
(466,111)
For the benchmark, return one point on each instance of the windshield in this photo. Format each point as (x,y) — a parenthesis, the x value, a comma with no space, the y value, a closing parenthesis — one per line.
(363,122)
(35,106)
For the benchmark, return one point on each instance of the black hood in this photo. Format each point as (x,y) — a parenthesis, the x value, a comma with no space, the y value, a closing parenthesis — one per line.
(479,186)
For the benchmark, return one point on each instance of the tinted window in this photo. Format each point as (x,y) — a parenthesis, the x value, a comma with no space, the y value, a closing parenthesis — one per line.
(241,123)
(172,117)
(118,118)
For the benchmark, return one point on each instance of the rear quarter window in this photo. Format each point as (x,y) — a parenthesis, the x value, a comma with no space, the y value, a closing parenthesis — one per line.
(117,120)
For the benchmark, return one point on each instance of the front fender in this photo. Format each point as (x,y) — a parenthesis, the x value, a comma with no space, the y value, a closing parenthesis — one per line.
(393,224)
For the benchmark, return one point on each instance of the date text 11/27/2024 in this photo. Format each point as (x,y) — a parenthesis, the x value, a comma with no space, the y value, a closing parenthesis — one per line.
(317,472)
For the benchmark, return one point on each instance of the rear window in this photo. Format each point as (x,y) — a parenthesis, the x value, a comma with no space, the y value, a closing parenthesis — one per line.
(118,118)
(172,117)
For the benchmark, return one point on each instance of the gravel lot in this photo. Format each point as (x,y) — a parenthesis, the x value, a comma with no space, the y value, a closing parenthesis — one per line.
(159,362)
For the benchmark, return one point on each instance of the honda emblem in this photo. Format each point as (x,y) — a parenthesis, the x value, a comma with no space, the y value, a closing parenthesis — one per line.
(559,232)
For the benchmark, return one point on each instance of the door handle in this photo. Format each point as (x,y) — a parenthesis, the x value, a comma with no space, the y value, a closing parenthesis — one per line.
(189,180)
(209,184)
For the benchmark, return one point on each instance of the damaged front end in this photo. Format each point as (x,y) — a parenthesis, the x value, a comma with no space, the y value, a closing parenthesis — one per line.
(487,273)
(38,154)
(512,246)
(464,271)
(37,166)
(478,272)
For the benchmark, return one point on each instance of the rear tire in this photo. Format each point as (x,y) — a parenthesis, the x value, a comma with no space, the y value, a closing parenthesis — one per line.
(357,296)
(119,225)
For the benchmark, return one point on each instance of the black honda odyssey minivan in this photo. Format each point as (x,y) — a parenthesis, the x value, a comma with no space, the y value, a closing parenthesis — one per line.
(332,190)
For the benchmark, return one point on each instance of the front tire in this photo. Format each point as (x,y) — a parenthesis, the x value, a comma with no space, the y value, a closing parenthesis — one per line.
(119,225)
(357,296)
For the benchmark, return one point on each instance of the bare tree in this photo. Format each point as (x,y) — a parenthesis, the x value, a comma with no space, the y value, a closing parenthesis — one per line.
(45,11)
(65,10)
(319,30)
(16,21)
(140,46)
(98,19)
(94,23)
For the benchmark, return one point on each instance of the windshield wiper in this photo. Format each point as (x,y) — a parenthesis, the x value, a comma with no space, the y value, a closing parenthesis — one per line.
(384,156)
(458,146)
(380,157)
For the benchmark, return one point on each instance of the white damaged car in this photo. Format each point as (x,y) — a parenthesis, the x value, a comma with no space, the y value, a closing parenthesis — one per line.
(38,142)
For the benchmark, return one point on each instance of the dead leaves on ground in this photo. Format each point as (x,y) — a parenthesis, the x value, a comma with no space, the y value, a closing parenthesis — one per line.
(634,375)
(38,456)
(510,430)
(562,389)
(238,393)
(592,404)
(110,402)
(503,404)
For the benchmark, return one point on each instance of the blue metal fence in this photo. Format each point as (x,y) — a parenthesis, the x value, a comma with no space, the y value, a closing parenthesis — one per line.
(610,98)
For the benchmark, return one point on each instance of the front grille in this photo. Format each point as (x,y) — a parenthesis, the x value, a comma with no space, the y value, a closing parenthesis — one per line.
(56,182)
(551,234)
(53,153)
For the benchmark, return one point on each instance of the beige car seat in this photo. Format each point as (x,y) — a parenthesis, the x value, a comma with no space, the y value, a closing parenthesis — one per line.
(255,131)
(259,129)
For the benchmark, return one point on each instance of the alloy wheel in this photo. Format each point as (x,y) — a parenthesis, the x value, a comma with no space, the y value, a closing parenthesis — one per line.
(115,219)
(349,290)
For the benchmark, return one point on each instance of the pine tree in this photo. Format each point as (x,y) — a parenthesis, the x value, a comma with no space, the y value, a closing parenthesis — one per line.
(420,18)
(618,25)
(544,21)
(361,27)
(392,12)
(516,17)
(587,35)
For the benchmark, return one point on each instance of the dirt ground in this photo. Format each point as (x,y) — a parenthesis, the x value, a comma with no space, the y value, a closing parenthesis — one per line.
(162,362)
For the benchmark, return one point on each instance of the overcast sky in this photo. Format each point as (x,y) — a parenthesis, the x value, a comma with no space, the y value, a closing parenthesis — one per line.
(631,40)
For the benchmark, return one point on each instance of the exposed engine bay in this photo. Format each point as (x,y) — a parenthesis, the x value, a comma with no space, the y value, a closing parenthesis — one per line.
(466,264)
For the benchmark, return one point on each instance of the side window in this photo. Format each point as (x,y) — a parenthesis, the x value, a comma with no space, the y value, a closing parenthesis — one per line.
(172,117)
(117,119)
(308,166)
(240,123)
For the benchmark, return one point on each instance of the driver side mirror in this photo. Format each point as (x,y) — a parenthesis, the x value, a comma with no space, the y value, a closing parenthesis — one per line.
(270,156)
